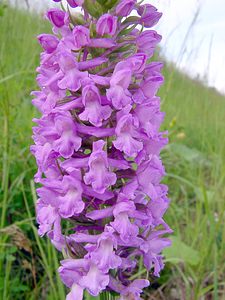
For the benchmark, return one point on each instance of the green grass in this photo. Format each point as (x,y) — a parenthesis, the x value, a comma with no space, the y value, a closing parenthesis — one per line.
(195,162)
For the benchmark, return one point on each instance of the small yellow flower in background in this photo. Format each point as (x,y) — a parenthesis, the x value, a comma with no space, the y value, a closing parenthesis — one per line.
(181,135)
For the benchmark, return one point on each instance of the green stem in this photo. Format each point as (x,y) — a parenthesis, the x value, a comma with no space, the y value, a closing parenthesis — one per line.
(106,296)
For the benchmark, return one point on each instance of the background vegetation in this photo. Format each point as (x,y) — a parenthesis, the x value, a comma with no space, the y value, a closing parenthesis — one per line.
(195,162)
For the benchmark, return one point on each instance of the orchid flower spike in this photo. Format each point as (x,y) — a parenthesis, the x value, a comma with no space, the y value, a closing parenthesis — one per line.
(97,145)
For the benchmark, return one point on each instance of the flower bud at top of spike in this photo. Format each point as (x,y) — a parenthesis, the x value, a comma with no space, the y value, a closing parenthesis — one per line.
(58,17)
(124,8)
(106,24)
(149,15)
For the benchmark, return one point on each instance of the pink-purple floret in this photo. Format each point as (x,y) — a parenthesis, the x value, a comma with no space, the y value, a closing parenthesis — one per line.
(97,148)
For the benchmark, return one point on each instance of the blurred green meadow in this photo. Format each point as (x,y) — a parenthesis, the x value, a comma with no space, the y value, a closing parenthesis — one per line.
(194,159)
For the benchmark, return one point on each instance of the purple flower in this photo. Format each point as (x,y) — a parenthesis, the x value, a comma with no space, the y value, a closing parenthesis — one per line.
(103,254)
(45,157)
(72,77)
(49,42)
(59,129)
(118,92)
(147,41)
(72,270)
(137,62)
(148,88)
(70,202)
(121,77)
(134,290)
(158,207)
(149,15)
(149,175)
(122,224)
(68,140)
(118,96)
(48,216)
(93,112)
(83,273)
(48,219)
(97,146)
(150,117)
(58,17)
(124,7)
(81,36)
(127,135)
(152,249)
(106,24)
(99,175)
(95,281)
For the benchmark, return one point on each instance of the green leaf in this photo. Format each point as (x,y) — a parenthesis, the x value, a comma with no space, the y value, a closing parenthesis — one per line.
(128,30)
(131,19)
(180,252)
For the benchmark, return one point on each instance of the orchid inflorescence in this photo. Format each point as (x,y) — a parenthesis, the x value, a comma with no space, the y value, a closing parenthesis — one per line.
(97,146)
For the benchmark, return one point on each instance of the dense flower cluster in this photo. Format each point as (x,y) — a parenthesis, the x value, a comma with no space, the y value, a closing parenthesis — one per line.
(97,147)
